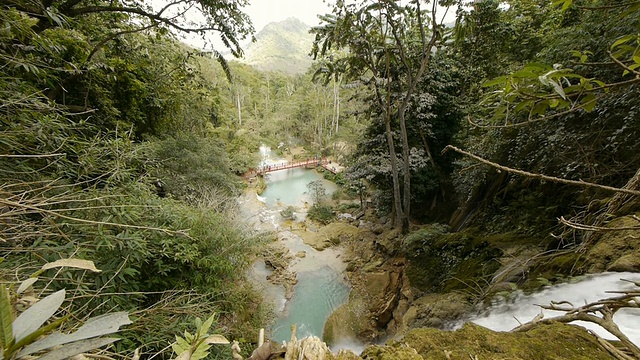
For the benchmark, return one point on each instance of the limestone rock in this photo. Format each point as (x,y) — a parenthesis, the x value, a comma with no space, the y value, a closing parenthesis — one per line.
(613,248)
(627,263)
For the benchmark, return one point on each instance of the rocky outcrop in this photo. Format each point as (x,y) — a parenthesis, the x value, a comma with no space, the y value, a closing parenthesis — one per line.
(553,341)
(616,250)
(436,310)
(380,293)
(277,257)
(327,236)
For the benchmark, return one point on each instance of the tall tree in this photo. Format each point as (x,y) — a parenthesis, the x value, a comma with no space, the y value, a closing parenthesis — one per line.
(389,49)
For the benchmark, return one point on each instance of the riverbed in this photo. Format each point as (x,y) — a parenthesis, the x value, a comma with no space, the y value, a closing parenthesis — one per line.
(321,286)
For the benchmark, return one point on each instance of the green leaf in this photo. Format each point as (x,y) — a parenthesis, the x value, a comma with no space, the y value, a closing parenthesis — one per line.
(76,348)
(523,105)
(622,40)
(94,327)
(207,325)
(493,82)
(540,108)
(631,9)
(6,318)
(588,102)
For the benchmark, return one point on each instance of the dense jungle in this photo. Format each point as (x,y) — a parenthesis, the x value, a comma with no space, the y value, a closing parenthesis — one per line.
(494,155)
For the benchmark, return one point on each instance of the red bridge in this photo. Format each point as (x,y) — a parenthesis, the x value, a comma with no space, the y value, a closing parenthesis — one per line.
(306,163)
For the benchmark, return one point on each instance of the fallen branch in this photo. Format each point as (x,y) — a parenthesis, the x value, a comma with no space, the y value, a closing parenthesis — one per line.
(540,176)
(599,312)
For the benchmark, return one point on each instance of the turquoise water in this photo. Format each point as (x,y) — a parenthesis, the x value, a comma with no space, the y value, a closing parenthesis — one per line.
(317,294)
(321,287)
(289,187)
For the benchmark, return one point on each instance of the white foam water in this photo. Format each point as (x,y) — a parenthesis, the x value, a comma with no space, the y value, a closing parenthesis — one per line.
(502,315)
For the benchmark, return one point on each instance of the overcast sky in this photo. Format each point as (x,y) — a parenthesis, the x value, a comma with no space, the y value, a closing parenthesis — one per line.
(263,12)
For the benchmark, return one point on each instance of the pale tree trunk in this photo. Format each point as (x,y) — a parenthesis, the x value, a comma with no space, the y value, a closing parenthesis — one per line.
(267,95)
(336,102)
(239,107)
(399,217)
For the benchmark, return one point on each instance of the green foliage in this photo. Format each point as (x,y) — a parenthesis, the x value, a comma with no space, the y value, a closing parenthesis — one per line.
(317,191)
(189,167)
(288,213)
(442,261)
(81,98)
(27,334)
(427,236)
(323,214)
(196,346)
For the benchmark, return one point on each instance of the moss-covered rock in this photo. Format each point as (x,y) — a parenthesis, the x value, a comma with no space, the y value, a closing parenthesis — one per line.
(394,351)
(437,310)
(556,341)
(445,262)
(332,234)
(615,250)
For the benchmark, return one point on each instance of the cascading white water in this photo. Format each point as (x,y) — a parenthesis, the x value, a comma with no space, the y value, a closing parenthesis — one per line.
(502,315)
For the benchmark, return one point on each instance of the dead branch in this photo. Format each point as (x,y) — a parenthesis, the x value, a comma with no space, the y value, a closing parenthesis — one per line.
(540,176)
(586,227)
(600,312)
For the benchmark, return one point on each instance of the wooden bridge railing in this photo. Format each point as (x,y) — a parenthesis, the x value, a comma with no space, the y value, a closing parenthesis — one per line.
(275,167)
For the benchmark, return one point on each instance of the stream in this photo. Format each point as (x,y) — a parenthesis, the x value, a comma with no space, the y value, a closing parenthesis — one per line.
(321,286)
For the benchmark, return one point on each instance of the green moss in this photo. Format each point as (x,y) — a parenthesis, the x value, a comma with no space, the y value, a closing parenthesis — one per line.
(556,341)
(613,245)
(445,262)
(396,351)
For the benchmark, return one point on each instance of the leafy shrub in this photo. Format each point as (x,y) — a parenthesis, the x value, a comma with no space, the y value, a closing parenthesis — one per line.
(188,166)
(426,236)
(321,213)
(288,213)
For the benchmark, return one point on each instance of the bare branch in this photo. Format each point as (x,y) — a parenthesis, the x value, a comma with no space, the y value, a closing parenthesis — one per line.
(585,227)
(622,65)
(540,176)
(606,308)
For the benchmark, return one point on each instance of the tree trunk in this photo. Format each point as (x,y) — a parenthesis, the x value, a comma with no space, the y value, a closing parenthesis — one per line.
(239,108)
(399,219)
(406,161)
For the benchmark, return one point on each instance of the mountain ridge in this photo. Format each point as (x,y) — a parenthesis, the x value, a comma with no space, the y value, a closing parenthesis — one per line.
(282,46)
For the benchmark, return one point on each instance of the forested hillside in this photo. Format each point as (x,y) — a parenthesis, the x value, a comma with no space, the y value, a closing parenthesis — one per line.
(534,86)
(114,149)
(281,47)
(501,153)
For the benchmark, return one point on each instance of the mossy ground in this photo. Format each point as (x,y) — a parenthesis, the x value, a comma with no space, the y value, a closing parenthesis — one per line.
(556,341)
